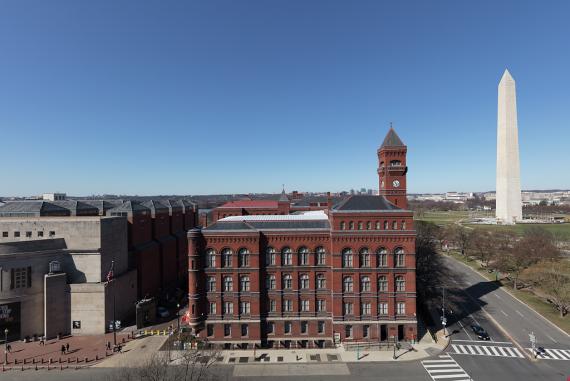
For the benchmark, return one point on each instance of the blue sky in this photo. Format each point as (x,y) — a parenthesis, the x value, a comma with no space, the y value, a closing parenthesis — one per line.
(184,97)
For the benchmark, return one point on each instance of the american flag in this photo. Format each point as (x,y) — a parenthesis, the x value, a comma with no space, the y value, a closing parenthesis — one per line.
(110,273)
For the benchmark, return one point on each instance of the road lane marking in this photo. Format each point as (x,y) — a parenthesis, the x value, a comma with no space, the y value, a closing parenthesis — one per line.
(504,313)
(497,296)
(517,311)
(487,351)
(464,330)
(444,369)
(553,354)
(483,341)
(550,337)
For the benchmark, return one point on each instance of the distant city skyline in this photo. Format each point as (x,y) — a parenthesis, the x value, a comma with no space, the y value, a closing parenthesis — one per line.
(240,97)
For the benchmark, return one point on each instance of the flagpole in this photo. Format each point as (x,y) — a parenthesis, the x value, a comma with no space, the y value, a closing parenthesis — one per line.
(114,320)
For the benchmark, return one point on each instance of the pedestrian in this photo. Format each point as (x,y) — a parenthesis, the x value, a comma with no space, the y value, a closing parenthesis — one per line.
(108,345)
(67,347)
(9,348)
(62,349)
(42,342)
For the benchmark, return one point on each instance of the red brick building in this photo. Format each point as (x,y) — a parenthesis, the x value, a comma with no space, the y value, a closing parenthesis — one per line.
(305,280)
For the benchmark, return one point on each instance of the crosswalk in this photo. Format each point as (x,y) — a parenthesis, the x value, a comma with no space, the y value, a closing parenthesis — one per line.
(553,354)
(486,350)
(446,368)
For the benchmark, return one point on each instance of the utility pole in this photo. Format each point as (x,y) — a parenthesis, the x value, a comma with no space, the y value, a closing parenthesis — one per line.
(6,346)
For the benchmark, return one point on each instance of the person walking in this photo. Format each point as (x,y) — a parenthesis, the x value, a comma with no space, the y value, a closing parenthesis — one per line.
(42,341)
(62,349)
(67,347)
(9,348)
(108,345)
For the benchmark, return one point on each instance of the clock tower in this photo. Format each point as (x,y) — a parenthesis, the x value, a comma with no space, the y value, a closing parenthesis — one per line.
(392,169)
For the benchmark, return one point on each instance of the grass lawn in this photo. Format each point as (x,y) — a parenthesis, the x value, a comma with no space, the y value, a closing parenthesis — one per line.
(521,228)
(443,218)
(538,304)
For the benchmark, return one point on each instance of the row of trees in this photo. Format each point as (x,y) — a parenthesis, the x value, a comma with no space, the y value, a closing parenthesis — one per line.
(532,260)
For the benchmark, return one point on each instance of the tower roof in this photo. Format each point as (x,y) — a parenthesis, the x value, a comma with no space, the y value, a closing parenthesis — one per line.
(507,77)
(392,140)
(283,197)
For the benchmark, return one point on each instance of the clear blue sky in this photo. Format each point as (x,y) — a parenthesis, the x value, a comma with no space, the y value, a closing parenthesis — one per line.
(163,97)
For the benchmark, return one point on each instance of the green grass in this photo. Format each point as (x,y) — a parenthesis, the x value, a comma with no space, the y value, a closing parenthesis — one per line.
(521,228)
(538,304)
(443,218)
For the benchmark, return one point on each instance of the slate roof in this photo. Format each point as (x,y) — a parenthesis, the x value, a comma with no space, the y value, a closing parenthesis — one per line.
(129,206)
(77,208)
(307,201)
(251,204)
(254,226)
(32,208)
(364,202)
(172,205)
(392,140)
(32,246)
(155,207)
(103,205)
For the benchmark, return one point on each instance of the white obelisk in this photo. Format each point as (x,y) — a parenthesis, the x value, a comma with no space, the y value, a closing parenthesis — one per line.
(509,204)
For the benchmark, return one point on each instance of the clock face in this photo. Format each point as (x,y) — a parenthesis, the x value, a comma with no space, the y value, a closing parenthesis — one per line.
(396,183)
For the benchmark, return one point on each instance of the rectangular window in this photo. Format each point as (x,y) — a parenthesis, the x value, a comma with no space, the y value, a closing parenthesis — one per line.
(21,277)
(366,308)
(287,259)
(244,308)
(383,308)
(287,305)
(321,258)
(52,233)
(5,234)
(321,305)
(348,308)
(348,331)
(213,308)
(304,305)
(270,327)
(28,234)
(16,234)
(244,330)
(228,308)
(287,327)
(40,234)
(210,329)
(365,330)
(321,327)
(211,283)
(304,327)
(401,308)
(227,329)
(272,306)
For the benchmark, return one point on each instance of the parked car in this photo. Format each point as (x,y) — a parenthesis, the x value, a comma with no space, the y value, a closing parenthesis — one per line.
(162,312)
(541,351)
(480,332)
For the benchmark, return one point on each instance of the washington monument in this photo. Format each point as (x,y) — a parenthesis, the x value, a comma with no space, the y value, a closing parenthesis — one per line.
(509,204)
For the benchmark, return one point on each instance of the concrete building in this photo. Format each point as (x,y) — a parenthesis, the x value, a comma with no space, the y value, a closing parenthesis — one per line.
(343,274)
(509,204)
(53,196)
(53,272)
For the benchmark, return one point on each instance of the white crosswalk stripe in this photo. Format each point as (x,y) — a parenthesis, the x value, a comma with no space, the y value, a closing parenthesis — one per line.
(553,354)
(445,369)
(486,350)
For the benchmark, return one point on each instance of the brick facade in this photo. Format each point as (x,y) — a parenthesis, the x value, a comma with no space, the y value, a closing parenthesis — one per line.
(347,272)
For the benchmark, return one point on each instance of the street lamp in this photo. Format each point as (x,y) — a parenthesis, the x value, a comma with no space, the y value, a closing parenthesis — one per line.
(6,346)
(178,318)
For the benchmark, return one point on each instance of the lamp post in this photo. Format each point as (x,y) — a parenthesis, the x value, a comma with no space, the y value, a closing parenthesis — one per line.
(394,355)
(178,318)
(6,346)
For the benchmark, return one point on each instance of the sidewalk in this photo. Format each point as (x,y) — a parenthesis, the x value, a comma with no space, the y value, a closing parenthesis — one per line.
(83,351)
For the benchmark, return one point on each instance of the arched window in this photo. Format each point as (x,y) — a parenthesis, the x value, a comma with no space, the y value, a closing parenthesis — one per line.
(287,256)
(244,283)
(271,282)
(351,225)
(342,225)
(364,257)
(320,253)
(287,281)
(365,284)
(347,258)
(368,225)
(211,257)
(321,281)
(394,225)
(227,258)
(359,225)
(228,283)
(347,285)
(243,257)
(400,283)
(403,224)
(382,283)
(382,257)
(377,225)
(385,225)
(211,283)
(270,256)
(399,257)
(303,256)
(381,164)
(304,281)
